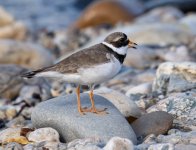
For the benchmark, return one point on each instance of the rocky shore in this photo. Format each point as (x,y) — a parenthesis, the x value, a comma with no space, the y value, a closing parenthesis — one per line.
(151,103)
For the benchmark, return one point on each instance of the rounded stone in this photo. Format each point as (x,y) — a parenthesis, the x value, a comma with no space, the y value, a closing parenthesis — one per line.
(175,77)
(153,123)
(124,104)
(117,143)
(44,134)
(61,114)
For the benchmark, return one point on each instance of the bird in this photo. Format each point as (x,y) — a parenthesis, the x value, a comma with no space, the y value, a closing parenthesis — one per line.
(90,66)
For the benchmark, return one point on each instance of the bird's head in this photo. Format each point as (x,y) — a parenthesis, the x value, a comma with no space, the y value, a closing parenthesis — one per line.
(119,42)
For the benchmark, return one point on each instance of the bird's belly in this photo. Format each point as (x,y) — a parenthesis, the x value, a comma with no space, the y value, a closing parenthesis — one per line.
(100,73)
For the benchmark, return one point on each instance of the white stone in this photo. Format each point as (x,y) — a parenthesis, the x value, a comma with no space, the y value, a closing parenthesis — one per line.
(161,146)
(124,104)
(117,143)
(44,134)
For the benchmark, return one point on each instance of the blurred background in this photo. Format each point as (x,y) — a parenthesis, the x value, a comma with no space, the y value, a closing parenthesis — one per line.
(38,33)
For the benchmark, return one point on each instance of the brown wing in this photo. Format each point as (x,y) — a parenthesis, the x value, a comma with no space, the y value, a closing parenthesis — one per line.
(92,56)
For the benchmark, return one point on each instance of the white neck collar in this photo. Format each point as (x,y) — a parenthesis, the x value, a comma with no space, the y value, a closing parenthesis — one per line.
(120,50)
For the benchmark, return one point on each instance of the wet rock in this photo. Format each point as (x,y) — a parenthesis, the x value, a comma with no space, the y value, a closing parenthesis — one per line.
(161,14)
(86,144)
(10,80)
(98,13)
(125,105)
(181,106)
(175,77)
(144,88)
(25,54)
(61,114)
(44,134)
(153,123)
(117,143)
(178,138)
(16,30)
(5,17)
(13,146)
(161,146)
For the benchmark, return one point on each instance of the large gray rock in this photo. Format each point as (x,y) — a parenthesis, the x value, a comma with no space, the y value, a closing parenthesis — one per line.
(61,114)
(181,106)
(175,77)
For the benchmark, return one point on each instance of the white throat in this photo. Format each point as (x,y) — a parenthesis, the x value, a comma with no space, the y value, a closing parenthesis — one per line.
(120,50)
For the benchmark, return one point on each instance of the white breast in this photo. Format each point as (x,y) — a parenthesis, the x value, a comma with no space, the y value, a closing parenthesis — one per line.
(100,73)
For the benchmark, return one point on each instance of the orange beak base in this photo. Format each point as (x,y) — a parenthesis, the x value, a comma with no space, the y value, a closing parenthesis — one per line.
(132,44)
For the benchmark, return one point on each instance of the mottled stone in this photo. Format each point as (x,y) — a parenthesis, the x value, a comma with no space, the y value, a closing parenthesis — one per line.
(44,134)
(45,145)
(61,114)
(161,146)
(117,143)
(175,77)
(12,135)
(181,106)
(153,123)
(185,147)
(85,144)
(178,138)
(13,146)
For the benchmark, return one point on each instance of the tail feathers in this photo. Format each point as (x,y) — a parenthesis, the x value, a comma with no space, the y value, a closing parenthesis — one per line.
(30,74)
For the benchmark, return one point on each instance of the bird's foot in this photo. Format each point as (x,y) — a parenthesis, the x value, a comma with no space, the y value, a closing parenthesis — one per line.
(98,111)
(93,110)
(83,110)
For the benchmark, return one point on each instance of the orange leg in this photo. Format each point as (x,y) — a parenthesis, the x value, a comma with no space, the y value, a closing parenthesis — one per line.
(78,100)
(93,108)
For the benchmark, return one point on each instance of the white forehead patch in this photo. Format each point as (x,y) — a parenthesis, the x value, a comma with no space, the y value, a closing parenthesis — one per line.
(121,50)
